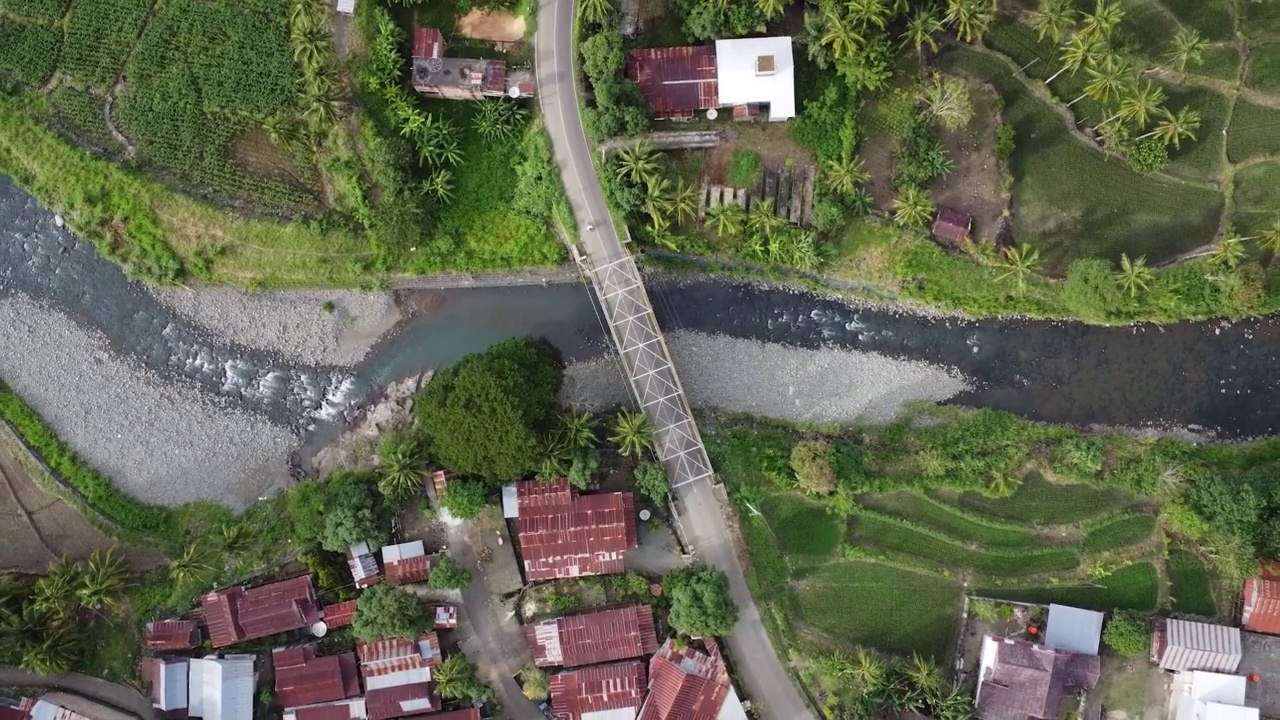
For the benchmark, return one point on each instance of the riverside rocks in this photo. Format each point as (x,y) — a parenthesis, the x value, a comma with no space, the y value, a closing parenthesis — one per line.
(357,446)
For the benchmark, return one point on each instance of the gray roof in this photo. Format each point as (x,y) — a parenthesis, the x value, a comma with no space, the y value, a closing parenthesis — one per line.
(1073,629)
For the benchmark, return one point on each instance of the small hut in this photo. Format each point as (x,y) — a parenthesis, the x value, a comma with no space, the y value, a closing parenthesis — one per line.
(951,228)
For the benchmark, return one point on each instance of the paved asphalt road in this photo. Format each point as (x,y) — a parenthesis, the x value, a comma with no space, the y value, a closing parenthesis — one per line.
(107,693)
(767,681)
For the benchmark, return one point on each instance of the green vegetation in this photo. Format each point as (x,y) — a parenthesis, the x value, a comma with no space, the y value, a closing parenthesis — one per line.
(386,611)
(1119,533)
(949,520)
(1127,633)
(802,527)
(1133,586)
(28,52)
(1257,196)
(449,575)
(700,601)
(47,10)
(82,113)
(1038,501)
(99,36)
(744,169)
(1191,589)
(1264,68)
(1253,132)
(876,533)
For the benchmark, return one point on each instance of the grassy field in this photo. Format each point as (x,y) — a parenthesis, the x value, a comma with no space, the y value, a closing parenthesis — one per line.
(1254,132)
(1264,68)
(1133,587)
(1221,62)
(948,519)
(1119,533)
(1257,196)
(1200,160)
(1039,502)
(873,534)
(869,603)
(1191,589)
(801,527)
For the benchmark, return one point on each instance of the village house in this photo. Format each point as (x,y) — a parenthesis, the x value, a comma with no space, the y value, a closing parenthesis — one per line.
(437,75)
(563,534)
(363,566)
(221,688)
(64,706)
(687,682)
(171,636)
(303,678)
(339,615)
(397,676)
(235,614)
(755,77)
(951,228)
(406,563)
(167,680)
(599,692)
(1261,612)
(1073,629)
(593,637)
(1021,680)
(1200,695)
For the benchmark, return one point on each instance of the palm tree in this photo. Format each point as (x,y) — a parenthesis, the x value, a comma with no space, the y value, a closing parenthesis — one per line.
(658,201)
(948,102)
(1188,47)
(860,202)
(1229,251)
(1080,51)
(310,43)
(921,28)
(923,673)
(845,173)
(1107,79)
(55,595)
(637,163)
(1001,485)
(579,429)
(762,220)
(46,644)
(683,201)
(970,17)
(401,467)
(771,9)
(868,13)
(1134,276)
(1175,127)
(302,11)
(804,253)
(912,208)
(557,455)
(102,579)
(1269,237)
(235,538)
(1140,104)
(1019,262)
(839,34)
(283,131)
(632,433)
(438,186)
(662,237)
(726,219)
(1053,19)
(189,566)
(321,109)
(595,11)
(867,670)
(1102,20)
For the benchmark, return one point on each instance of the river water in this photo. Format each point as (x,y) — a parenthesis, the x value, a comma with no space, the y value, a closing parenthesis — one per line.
(1217,375)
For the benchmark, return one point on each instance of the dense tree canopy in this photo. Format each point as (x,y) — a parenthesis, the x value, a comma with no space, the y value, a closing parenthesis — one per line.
(1127,634)
(338,511)
(448,574)
(700,602)
(386,612)
(485,414)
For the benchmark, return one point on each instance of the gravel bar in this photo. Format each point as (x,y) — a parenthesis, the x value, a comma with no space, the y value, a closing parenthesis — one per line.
(160,442)
(294,324)
(827,385)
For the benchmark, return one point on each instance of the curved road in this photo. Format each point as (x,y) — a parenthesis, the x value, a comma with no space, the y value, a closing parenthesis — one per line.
(768,683)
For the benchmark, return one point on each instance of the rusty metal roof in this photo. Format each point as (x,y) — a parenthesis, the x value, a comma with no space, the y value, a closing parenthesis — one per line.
(395,661)
(593,637)
(234,614)
(563,534)
(446,616)
(597,689)
(1262,606)
(165,635)
(675,80)
(427,43)
(352,709)
(407,563)
(685,684)
(304,679)
(340,614)
(401,701)
(952,226)
(363,566)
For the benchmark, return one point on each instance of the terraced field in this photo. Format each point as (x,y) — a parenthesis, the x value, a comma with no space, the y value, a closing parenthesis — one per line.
(1191,587)
(1134,587)
(1039,502)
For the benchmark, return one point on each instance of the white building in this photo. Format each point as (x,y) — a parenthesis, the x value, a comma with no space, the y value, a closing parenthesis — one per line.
(221,688)
(757,72)
(1201,695)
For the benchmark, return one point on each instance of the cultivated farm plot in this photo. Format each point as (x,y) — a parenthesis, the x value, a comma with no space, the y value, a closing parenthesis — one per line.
(28,52)
(1129,587)
(948,519)
(81,113)
(1119,533)
(879,605)
(1040,502)
(1191,589)
(1221,62)
(1254,132)
(100,34)
(1202,159)
(1257,195)
(873,533)
(46,10)
(1210,17)
(1264,68)
(802,527)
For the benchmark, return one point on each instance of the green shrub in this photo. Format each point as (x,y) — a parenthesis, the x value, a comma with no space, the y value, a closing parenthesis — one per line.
(449,575)
(744,169)
(1127,634)
(811,461)
(991,612)
(1005,141)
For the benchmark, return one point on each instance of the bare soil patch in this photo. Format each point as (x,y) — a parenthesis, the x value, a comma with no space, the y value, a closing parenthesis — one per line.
(974,187)
(877,159)
(37,528)
(771,141)
(495,26)
(252,151)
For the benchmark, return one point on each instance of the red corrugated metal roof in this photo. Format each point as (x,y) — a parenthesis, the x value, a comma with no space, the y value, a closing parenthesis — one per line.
(12,713)
(401,701)
(594,637)
(304,679)
(219,610)
(427,43)
(1262,606)
(563,534)
(675,81)
(951,226)
(340,614)
(165,635)
(685,684)
(593,689)
(235,614)
(409,570)
(468,714)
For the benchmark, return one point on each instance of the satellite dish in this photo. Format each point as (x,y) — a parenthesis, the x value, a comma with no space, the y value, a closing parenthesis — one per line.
(712,114)
(645,515)
(434,64)
(319,629)
(514,92)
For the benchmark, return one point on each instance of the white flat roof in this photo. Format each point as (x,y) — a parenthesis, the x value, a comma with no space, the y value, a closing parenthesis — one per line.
(1214,687)
(740,83)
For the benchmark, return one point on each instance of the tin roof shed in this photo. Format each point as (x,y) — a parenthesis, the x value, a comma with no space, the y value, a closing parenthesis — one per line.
(167,679)
(302,678)
(1261,605)
(340,614)
(1185,645)
(171,635)
(221,688)
(406,563)
(600,692)
(594,637)
(1073,629)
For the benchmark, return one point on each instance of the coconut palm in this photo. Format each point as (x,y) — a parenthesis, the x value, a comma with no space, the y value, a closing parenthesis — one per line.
(662,237)
(839,34)
(912,208)
(1134,276)
(310,44)
(401,466)
(1188,47)
(726,219)
(45,644)
(1102,21)
(55,594)
(683,201)
(804,252)
(868,13)
(948,102)
(235,538)
(1176,127)
(632,433)
(191,565)
(762,220)
(1269,237)
(579,429)
(845,173)
(1108,79)
(1080,51)
(595,11)
(658,200)
(1140,104)
(102,579)
(970,17)
(1053,19)
(283,131)
(557,456)
(438,186)
(771,9)
(1229,251)
(1019,262)
(302,11)
(321,109)
(455,678)
(921,28)
(637,163)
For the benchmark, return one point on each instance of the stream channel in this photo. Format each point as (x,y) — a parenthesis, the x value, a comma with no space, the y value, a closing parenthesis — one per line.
(1218,376)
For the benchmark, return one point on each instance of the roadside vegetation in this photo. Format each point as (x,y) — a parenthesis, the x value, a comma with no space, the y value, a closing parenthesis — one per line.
(946,502)
(247,147)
